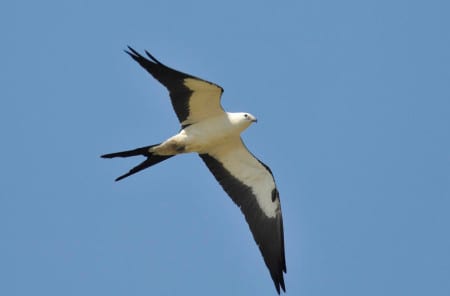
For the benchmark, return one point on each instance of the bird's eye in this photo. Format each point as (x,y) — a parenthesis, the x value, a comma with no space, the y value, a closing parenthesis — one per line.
(245,115)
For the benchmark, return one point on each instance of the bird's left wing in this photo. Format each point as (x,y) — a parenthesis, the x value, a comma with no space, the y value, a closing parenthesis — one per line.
(193,98)
(251,186)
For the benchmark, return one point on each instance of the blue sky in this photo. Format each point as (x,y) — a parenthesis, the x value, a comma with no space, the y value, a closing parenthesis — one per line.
(353,103)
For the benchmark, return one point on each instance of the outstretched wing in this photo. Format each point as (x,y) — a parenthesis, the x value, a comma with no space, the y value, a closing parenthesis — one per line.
(193,99)
(251,186)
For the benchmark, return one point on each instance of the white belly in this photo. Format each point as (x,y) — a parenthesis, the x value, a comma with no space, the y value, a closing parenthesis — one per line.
(202,136)
(199,137)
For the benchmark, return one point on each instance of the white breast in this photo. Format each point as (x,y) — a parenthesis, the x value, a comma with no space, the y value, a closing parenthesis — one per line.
(199,137)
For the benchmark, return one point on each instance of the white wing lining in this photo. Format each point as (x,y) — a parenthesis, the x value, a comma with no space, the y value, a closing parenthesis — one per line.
(236,159)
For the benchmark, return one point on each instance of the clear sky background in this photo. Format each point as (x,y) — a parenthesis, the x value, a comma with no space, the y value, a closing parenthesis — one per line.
(353,102)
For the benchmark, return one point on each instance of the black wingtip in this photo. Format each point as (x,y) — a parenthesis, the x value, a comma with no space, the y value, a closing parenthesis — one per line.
(278,280)
(279,284)
(153,58)
(282,285)
(132,50)
(137,56)
(132,53)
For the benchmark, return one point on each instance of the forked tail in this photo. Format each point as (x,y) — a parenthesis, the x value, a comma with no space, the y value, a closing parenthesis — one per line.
(152,159)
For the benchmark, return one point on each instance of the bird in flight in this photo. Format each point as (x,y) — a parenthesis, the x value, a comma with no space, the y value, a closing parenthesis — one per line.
(214,134)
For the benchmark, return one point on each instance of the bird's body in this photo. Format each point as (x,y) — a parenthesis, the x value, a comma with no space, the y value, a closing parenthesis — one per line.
(207,134)
(214,134)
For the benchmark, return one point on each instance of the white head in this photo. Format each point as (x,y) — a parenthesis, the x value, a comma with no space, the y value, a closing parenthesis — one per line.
(247,117)
(242,119)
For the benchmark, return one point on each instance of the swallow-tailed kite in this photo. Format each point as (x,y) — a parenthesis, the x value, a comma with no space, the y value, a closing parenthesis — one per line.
(214,134)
